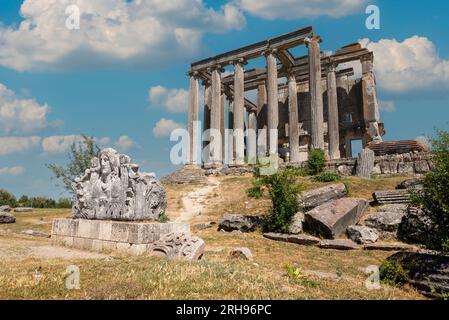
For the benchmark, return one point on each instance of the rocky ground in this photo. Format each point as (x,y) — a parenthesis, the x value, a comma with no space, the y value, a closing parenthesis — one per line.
(32,268)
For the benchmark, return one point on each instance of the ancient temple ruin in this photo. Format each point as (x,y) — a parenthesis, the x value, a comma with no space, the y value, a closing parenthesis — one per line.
(304,102)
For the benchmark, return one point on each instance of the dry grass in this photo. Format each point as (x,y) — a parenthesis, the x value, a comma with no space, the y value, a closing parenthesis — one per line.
(216,276)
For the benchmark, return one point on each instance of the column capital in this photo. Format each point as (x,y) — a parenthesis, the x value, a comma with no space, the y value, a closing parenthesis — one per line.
(194,74)
(241,61)
(269,51)
(331,66)
(217,67)
(290,74)
(309,40)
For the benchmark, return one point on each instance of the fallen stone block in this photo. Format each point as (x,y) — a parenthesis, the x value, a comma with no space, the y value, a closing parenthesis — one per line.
(296,226)
(399,207)
(23,209)
(362,234)
(392,196)
(179,246)
(331,219)
(239,253)
(416,226)
(414,183)
(301,239)
(339,244)
(386,221)
(389,247)
(314,198)
(427,272)
(203,226)
(35,233)
(233,222)
(6,217)
(5,209)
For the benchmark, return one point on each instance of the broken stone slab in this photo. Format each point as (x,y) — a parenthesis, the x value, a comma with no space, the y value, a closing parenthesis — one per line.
(203,226)
(331,219)
(399,207)
(314,198)
(241,253)
(23,209)
(5,208)
(427,272)
(6,217)
(296,226)
(422,166)
(35,233)
(231,222)
(386,221)
(362,234)
(301,239)
(338,244)
(178,246)
(414,183)
(389,247)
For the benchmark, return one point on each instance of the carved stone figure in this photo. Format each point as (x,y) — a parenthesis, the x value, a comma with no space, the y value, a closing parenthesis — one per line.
(114,189)
(179,246)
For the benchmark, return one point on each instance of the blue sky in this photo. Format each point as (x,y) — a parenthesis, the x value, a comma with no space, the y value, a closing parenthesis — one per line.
(97,80)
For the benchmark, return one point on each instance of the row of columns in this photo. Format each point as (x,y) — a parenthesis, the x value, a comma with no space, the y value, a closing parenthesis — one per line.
(214,112)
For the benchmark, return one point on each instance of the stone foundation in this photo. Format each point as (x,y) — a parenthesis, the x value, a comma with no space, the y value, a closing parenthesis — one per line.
(110,236)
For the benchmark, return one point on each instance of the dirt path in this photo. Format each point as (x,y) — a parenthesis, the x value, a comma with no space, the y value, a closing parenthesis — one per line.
(193,202)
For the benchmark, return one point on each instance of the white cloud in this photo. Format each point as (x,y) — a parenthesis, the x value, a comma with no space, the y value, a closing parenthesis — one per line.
(9,145)
(408,66)
(387,106)
(18,114)
(12,171)
(296,9)
(164,127)
(104,141)
(125,143)
(111,32)
(174,100)
(59,144)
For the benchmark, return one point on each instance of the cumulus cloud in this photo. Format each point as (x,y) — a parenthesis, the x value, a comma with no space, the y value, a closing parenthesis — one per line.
(59,144)
(164,127)
(423,139)
(125,143)
(10,145)
(408,66)
(296,9)
(115,31)
(387,106)
(12,171)
(174,100)
(18,114)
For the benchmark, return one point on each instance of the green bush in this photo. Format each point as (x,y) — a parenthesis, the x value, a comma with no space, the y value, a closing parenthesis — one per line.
(7,198)
(434,197)
(282,189)
(316,162)
(392,272)
(326,176)
(164,218)
(64,203)
(256,189)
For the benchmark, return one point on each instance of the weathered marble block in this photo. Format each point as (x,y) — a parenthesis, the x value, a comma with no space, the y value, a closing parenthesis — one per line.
(99,235)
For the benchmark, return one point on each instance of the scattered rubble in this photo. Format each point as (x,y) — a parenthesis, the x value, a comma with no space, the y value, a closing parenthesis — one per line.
(241,253)
(339,244)
(386,221)
(362,234)
(232,222)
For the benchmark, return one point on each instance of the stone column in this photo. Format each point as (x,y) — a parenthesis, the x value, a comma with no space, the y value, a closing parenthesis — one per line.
(215,121)
(193,118)
(316,94)
(223,124)
(272,102)
(239,112)
(262,125)
(332,122)
(206,120)
(293,120)
(230,133)
(252,158)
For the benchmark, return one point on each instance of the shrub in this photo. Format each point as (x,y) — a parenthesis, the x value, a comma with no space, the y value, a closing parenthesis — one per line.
(164,218)
(7,198)
(282,189)
(326,176)
(256,190)
(434,197)
(392,272)
(316,162)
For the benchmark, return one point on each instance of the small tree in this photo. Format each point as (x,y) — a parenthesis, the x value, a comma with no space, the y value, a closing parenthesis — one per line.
(434,198)
(7,198)
(316,162)
(282,188)
(80,155)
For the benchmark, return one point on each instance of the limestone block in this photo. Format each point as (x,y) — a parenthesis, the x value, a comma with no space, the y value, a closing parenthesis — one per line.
(180,246)
(338,244)
(331,219)
(65,227)
(421,166)
(83,243)
(120,232)
(311,199)
(362,234)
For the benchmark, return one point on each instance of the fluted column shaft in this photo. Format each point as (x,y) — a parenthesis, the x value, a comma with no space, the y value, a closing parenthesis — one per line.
(272,103)
(239,112)
(193,119)
(216,143)
(332,122)
(293,120)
